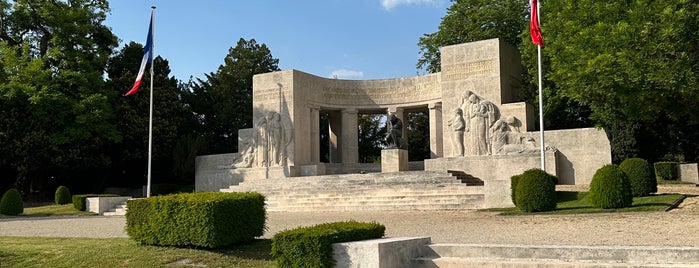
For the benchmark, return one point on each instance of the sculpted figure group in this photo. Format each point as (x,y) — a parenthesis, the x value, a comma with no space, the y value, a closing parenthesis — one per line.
(477,123)
(268,146)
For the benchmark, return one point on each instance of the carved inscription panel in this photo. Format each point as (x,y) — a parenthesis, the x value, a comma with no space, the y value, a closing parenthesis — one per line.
(465,70)
(357,96)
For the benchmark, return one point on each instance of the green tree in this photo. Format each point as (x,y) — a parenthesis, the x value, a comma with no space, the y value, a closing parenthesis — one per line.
(172,121)
(55,122)
(371,135)
(222,103)
(473,20)
(632,62)
(418,136)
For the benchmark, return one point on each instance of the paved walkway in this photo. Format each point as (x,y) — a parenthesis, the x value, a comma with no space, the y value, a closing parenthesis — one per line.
(679,227)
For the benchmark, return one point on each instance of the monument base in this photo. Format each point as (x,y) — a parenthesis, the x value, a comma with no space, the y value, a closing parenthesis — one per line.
(394,160)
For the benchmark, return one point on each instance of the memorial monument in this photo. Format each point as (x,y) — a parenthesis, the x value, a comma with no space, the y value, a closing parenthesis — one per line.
(487,133)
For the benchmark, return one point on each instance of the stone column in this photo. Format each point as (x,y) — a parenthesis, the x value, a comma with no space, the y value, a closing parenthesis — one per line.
(436,130)
(350,139)
(315,133)
(335,128)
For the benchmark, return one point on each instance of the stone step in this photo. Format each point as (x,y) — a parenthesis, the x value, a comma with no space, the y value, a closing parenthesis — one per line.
(378,200)
(372,192)
(118,210)
(414,190)
(316,183)
(374,207)
(537,263)
(346,185)
(370,196)
(469,255)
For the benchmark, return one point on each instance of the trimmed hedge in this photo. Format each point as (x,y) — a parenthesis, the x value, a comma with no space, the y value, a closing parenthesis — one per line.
(666,170)
(312,246)
(640,176)
(536,191)
(79,201)
(11,203)
(514,180)
(62,195)
(205,219)
(610,188)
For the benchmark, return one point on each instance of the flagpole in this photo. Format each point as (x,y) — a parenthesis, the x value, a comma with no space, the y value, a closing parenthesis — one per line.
(541,114)
(150,117)
(541,97)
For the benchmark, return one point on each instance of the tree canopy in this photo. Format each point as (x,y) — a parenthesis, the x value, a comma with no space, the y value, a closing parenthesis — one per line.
(222,103)
(633,63)
(53,57)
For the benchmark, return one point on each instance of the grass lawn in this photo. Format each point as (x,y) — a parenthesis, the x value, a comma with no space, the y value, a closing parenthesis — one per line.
(577,202)
(124,252)
(51,210)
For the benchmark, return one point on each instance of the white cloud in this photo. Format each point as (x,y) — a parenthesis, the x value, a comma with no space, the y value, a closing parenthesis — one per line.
(346,74)
(389,4)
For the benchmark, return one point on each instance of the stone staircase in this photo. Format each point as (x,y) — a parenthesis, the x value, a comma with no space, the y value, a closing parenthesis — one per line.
(412,190)
(118,210)
(505,256)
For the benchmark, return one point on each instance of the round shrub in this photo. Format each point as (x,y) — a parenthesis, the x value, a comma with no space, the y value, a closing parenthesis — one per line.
(610,188)
(536,191)
(63,195)
(11,203)
(640,176)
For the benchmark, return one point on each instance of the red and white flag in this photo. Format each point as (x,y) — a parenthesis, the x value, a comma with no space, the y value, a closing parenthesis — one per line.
(147,58)
(534,29)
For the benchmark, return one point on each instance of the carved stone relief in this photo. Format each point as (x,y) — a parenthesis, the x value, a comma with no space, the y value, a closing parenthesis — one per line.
(484,132)
(270,139)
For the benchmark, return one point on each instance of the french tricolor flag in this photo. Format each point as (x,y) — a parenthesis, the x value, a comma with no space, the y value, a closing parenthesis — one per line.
(147,58)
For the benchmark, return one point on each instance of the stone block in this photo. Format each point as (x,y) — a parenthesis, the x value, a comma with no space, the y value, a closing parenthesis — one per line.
(394,160)
(311,170)
(379,253)
(689,172)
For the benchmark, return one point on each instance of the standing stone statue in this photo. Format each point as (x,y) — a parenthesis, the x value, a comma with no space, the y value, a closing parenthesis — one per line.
(269,141)
(394,132)
(458,126)
(481,114)
(261,142)
(275,138)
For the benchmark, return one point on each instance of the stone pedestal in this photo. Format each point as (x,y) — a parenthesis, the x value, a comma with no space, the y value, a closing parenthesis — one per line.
(394,160)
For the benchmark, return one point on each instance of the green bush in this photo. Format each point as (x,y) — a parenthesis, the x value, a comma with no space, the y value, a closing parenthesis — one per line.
(536,191)
(205,219)
(666,170)
(79,201)
(610,188)
(164,189)
(62,195)
(513,187)
(640,176)
(11,203)
(312,246)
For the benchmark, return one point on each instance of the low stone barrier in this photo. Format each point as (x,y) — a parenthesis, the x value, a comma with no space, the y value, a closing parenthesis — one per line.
(379,253)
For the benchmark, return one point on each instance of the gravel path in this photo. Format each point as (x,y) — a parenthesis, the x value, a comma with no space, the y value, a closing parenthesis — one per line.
(679,227)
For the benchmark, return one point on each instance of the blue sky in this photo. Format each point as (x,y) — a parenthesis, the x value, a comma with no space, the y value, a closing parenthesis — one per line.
(352,39)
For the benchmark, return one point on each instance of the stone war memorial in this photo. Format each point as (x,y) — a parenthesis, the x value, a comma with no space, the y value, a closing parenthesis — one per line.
(480,135)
